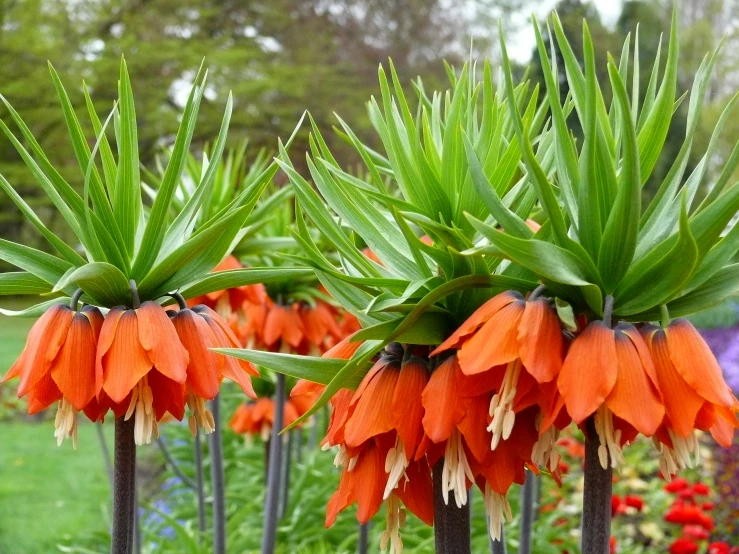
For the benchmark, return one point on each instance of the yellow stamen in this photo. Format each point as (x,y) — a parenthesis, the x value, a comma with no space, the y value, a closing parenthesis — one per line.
(200,415)
(498,510)
(395,518)
(142,406)
(395,465)
(544,453)
(501,405)
(65,423)
(454,471)
(610,439)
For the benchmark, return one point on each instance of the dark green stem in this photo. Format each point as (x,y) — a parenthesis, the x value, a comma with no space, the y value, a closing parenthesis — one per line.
(199,483)
(363,546)
(216,479)
(124,486)
(451,524)
(181,302)
(285,481)
(269,534)
(528,510)
(135,300)
(75,300)
(173,464)
(608,310)
(596,518)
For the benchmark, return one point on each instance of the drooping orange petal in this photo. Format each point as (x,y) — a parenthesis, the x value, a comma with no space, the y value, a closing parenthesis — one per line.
(15,369)
(340,500)
(44,342)
(633,397)
(642,349)
(474,426)
(43,395)
(169,395)
(416,492)
(444,406)
(682,403)
(696,363)
(105,341)
(373,414)
(159,339)
(73,370)
(722,430)
(589,371)
(407,407)
(203,375)
(225,338)
(340,402)
(126,361)
(478,318)
(540,341)
(369,483)
(305,387)
(495,343)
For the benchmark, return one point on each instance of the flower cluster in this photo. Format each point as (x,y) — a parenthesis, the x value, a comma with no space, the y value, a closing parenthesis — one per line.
(138,362)
(691,510)
(491,400)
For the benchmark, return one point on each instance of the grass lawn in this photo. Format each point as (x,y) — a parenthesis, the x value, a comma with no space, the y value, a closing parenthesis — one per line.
(48,495)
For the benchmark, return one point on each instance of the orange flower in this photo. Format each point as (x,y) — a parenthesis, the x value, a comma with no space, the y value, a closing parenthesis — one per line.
(199,330)
(58,364)
(695,393)
(518,341)
(378,430)
(232,300)
(319,325)
(609,372)
(455,423)
(258,418)
(283,327)
(140,360)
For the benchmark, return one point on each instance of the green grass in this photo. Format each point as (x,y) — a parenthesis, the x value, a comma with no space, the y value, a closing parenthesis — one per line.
(48,495)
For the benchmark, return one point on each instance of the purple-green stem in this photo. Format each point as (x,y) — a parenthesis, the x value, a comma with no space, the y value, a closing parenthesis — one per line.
(216,479)
(596,517)
(124,486)
(269,534)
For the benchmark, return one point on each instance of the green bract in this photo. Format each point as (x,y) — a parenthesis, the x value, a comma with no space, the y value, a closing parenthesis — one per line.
(600,241)
(161,249)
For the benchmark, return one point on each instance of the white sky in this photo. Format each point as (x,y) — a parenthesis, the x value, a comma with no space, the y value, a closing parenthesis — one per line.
(521,44)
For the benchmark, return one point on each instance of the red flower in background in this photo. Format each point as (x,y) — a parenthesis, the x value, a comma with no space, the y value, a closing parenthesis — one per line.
(683,546)
(257,418)
(231,301)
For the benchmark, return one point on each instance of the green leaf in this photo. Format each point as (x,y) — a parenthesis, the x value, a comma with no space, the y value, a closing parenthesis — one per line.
(312,368)
(653,133)
(429,328)
(36,310)
(619,237)
(110,168)
(506,218)
(127,199)
(20,282)
(42,265)
(654,280)
(102,282)
(724,283)
(63,248)
(547,260)
(156,225)
(242,277)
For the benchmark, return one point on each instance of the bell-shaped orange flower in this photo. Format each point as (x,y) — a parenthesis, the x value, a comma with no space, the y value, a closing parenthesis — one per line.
(695,393)
(320,327)
(283,327)
(231,301)
(140,360)
(609,372)
(378,430)
(257,418)
(520,341)
(199,330)
(58,364)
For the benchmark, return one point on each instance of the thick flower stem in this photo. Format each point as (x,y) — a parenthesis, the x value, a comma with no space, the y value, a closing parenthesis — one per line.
(498,547)
(124,485)
(451,524)
(269,534)
(199,484)
(596,520)
(216,478)
(363,546)
(528,511)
